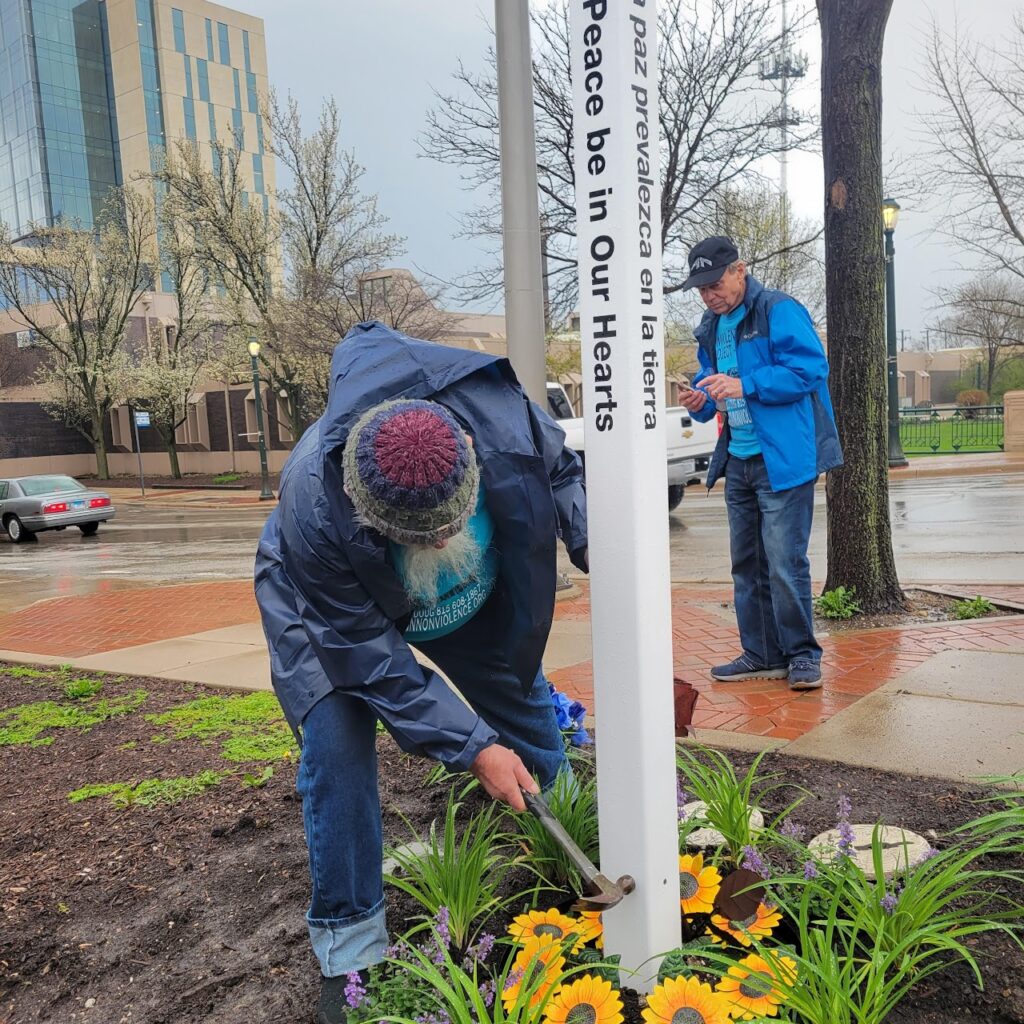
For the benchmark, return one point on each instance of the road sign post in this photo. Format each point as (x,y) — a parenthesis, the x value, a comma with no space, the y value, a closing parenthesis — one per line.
(140,419)
(618,203)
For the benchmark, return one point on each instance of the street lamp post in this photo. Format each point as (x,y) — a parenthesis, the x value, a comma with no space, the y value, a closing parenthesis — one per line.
(266,494)
(890,215)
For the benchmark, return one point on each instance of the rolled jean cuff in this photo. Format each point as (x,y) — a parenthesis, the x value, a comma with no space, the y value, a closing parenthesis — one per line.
(349,945)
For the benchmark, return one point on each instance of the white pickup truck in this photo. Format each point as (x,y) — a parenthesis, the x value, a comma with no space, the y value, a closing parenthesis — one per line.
(689,444)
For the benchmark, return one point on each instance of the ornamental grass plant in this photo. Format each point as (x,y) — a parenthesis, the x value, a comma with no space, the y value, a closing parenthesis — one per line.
(462,870)
(729,798)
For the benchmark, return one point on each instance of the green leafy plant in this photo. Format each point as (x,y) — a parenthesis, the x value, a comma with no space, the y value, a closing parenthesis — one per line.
(974,608)
(149,792)
(1007,820)
(864,943)
(729,798)
(76,689)
(258,781)
(460,869)
(227,478)
(574,803)
(251,727)
(27,723)
(25,672)
(838,603)
(466,991)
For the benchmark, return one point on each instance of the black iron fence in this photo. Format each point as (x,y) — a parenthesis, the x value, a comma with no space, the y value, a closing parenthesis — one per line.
(952,429)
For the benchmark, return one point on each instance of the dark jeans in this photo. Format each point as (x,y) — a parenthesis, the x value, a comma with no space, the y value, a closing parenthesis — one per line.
(768,535)
(338,783)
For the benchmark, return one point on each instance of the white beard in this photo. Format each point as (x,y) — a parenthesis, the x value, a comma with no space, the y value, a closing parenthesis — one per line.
(423,564)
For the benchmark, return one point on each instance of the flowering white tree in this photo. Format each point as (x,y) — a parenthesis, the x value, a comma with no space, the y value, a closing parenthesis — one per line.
(76,287)
(171,362)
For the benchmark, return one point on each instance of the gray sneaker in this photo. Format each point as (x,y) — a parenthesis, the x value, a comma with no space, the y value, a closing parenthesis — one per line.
(804,675)
(744,668)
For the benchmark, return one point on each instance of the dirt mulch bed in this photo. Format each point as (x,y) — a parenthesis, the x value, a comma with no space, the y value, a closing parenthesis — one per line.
(193,913)
(923,607)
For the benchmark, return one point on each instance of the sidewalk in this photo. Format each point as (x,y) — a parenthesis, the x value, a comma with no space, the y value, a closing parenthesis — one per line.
(944,699)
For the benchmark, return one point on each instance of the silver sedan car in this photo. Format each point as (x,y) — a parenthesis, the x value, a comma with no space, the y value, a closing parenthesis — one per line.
(31,504)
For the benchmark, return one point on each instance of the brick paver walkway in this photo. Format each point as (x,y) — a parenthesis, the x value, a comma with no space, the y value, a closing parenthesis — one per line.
(704,634)
(78,626)
(854,664)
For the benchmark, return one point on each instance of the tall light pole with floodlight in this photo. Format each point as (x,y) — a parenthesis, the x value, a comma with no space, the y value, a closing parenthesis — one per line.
(890,215)
(266,494)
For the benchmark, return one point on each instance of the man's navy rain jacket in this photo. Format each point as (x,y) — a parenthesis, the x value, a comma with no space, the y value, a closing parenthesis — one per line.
(333,608)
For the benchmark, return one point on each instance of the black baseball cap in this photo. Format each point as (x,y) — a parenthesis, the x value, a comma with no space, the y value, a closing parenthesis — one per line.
(709,260)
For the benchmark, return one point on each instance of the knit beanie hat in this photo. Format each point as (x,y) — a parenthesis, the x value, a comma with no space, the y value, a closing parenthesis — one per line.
(410,472)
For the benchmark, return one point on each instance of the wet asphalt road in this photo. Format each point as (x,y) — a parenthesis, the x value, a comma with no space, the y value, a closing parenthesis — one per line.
(944,529)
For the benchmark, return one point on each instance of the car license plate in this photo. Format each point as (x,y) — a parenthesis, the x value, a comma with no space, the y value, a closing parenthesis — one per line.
(78,504)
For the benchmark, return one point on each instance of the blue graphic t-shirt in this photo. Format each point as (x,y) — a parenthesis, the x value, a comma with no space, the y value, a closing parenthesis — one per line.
(460,599)
(743,442)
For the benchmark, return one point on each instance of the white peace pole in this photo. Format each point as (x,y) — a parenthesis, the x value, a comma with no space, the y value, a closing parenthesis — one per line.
(618,202)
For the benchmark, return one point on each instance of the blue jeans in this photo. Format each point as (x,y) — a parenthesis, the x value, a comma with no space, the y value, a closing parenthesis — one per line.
(768,536)
(338,784)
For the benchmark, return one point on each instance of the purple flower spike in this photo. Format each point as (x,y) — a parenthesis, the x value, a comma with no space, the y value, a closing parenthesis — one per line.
(926,856)
(889,901)
(487,990)
(443,921)
(844,808)
(682,799)
(791,830)
(483,947)
(846,839)
(355,991)
(810,870)
(753,861)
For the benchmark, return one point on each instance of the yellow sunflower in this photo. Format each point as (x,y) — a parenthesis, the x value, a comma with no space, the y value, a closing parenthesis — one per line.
(591,928)
(753,988)
(547,926)
(685,1001)
(537,966)
(759,925)
(698,885)
(587,1000)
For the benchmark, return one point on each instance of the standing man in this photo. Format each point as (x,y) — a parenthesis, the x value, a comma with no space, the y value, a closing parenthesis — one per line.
(763,367)
(422,507)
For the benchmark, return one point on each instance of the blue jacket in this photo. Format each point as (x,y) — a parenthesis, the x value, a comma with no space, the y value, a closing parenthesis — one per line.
(333,608)
(784,372)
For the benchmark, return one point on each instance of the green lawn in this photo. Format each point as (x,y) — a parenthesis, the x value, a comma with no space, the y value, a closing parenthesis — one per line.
(937,437)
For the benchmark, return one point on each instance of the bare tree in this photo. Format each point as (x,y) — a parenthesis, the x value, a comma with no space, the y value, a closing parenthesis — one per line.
(16,364)
(753,216)
(859,531)
(76,288)
(989,311)
(976,136)
(291,273)
(172,360)
(718,120)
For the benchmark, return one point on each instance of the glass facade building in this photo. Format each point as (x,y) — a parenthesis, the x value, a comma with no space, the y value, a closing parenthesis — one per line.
(94,92)
(58,127)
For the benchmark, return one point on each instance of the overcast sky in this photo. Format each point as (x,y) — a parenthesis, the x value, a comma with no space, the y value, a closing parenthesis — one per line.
(382,61)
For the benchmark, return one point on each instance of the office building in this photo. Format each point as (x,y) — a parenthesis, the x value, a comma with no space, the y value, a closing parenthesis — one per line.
(92,92)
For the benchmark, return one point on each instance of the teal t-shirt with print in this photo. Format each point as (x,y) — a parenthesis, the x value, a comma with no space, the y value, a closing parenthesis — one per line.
(460,599)
(743,442)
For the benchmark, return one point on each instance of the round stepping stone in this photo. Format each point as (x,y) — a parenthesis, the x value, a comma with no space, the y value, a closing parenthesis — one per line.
(900,847)
(414,849)
(696,810)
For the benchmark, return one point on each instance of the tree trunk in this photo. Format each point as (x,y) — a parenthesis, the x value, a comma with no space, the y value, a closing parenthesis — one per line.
(859,534)
(99,445)
(172,454)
